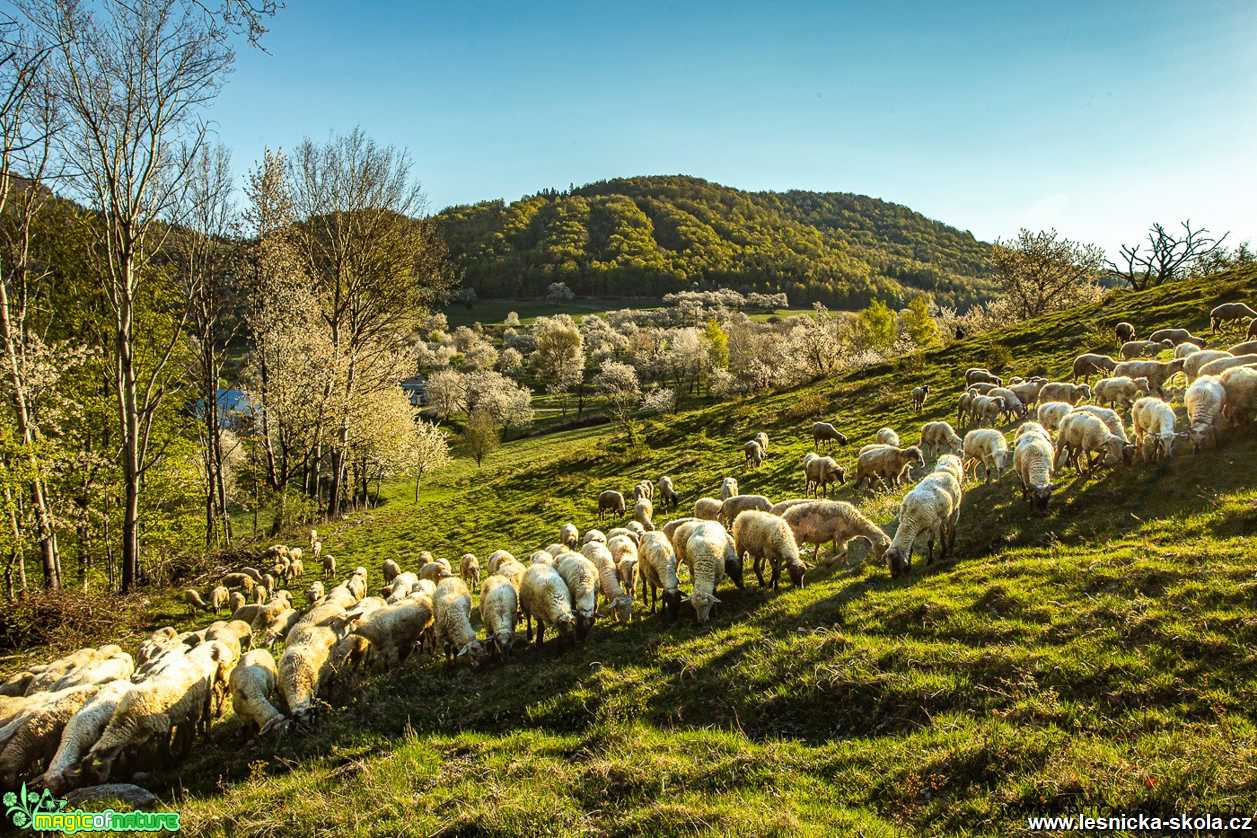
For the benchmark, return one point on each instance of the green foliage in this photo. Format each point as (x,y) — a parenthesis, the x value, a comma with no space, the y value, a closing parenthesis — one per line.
(481,436)
(877,325)
(998,357)
(919,323)
(648,236)
(717,342)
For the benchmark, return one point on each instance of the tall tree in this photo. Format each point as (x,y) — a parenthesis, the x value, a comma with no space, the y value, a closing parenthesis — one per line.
(1044,271)
(1169,256)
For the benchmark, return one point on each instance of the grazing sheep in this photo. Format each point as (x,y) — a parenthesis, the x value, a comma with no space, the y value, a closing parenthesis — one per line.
(252,571)
(887,436)
(624,532)
(621,545)
(253,684)
(887,464)
(386,636)
(976,375)
(658,567)
(261,594)
(824,521)
(545,596)
(825,432)
(193,600)
(939,438)
(739,503)
(615,599)
(643,511)
(819,473)
(499,602)
(1205,401)
(1050,414)
(329,565)
(1154,428)
(296,570)
(82,732)
(452,605)
(1248,347)
(671,527)
(986,410)
(1013,406)
(315,592)
(1229,312)
(754,455)
(1063,391)
(243,581)
(1217,367)
(964,406)
(219,597)
(644,489)
(594,535)
(235,601)
(30,741)
(1192,363)
(436,571)
(667,494)
(498,556)
(1185,349)
(568,535)
(1027,392)
(1081,436)
(925,509)
(1124,332)
(389,570)
(1157,372)
(514,571)
(918,397)
(1121,390)
(1176,336)
(988,448)
(705,556)
(469,570)
(581,577)
(1133,349)
(305,666)
(1240,386)
(728,488)
(708,508)
(767,538)
(1090,364)
(548,556)
(610,502)
(1033,460)
(1111,419)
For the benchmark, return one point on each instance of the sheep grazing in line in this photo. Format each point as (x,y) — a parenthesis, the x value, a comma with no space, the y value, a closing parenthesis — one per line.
(253,572)
(667,494)
(986,410)
(1157,372)
(624,533)
(1205,400)
(385,637)
(1176,336)
(315,592)
(887,464)
(988,448)
(329,565)
(498,556)
(671,527)
(1033,460)
(658,568)
(305,666)
(949,475)
(820,522)
(964,406)
(1013,406)
(728,488)
(235,601)
(1090,364)
(1185,349)
(30,741)
(1133,349)
(1027,392)
(644,489)
(766,538)
(544,595)
(1192,363)
(568,536)
(1111,419)
(819,473)
(753,454)
(974,375)
(610,502)
(594,535)
(1124,332)
(514,571)
(436,571)
(82,731)
(982,388)
(469,570)
(453,622)
(1229,313)
(389,570)
(825,432)
(1222,364)
(499,602)
(939,438)
(580,575)
(643,513)
(616,600)
(193,600)
(243,581)
(918,397)
(219,597)
(1121,390)
(1063,391)
(1154,428)
(1240,402)
(1248,347)
(705,551)
(887,436)
(1084,437)
(253,685)
(925,509)
(740,503)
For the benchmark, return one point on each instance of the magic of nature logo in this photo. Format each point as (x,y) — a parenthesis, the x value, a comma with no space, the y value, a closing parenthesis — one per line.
(43,812)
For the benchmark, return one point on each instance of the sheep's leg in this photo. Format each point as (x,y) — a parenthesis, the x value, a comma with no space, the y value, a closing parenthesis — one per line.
(776,572)
(541,633)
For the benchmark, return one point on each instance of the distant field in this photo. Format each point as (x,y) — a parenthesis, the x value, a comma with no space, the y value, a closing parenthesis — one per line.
(495,311)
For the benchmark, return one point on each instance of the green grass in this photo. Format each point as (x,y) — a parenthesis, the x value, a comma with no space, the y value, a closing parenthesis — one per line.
(494,311)
(1099,658)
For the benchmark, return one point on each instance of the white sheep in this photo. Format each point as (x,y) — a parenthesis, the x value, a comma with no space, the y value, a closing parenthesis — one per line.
(616,600)
(594,535)
(1154,428)
(1033,461)
(1240,386)
(469,570)
(643,513)
(568,535)
(386,636)
(667,493)
(988,448)
(452,605)
(886,463)
(1083,435)
(728,488)
(705,551)
(1121,390)
(658,566)
(28,742)
(499,602)
(940,438)
(545,596)
(1192,363)
(753,454)
(985,410)
(1132,349)
(826,432)
(887,436)
(1050,414)
(765,537)
(305,666)
(925,510)
(1205,400)
(1217,367)
(1064,391)
(739,503)
(1158,373)
(708,508)
(610,502)
(1111,419)
(389,569)
(253,685)
(581,577)
(918,397)
(81,732)
(824,521)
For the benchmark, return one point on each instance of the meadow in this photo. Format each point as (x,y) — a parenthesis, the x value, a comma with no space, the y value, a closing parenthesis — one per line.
(1096,659)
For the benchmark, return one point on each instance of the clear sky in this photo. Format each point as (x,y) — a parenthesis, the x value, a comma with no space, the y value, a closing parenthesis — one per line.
(1094,117)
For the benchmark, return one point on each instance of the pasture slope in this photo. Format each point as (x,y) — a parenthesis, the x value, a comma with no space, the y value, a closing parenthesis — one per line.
(1097,659)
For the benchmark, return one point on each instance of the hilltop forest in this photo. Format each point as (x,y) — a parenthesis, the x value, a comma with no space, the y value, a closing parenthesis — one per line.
(648,236)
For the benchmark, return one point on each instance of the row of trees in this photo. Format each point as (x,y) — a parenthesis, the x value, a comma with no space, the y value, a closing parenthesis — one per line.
(125,311)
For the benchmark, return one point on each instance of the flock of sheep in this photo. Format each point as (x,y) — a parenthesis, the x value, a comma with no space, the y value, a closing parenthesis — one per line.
(98,714)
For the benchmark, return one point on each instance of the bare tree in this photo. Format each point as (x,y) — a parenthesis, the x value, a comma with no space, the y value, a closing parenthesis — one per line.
(204,253)
(28,117)
(133,78)
(1168,256)
(1043,272)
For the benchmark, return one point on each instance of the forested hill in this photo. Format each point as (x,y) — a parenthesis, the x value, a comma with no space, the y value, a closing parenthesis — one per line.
(647,236)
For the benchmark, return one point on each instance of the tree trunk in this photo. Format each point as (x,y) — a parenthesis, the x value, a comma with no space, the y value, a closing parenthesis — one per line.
(129,424)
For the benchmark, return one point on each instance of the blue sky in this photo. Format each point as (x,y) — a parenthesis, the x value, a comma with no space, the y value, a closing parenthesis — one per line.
(1096,118)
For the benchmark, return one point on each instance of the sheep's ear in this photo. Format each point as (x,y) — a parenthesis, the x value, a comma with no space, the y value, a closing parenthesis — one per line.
(715,600)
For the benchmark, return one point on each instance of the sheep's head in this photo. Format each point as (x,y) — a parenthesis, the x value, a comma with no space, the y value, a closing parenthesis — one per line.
(1041,496)
(914,455)
(672,604)
(472,654)
(797,571)
(733,566)
(583,623)
(897,560)
(703,603)
(502,642)
(839,473)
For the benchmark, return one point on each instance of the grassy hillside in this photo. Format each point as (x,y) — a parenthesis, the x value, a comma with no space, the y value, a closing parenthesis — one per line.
(647,236)
(1099,658)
